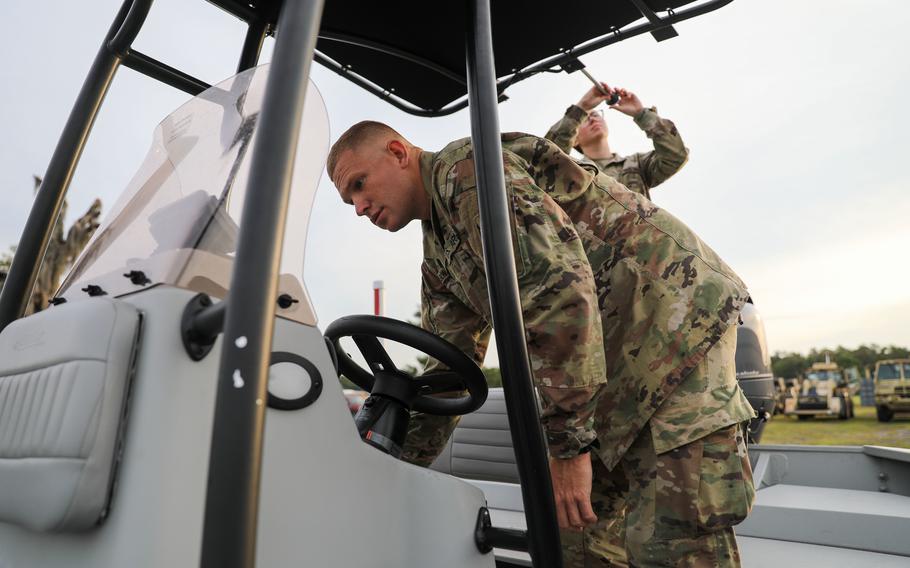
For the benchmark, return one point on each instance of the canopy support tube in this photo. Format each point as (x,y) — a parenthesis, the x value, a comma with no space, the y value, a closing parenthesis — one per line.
(41,220)
(329,35)
(232,495)
(252,46)
(165,73)
(502,285)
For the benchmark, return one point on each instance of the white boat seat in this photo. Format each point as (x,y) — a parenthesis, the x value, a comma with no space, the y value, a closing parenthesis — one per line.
(64,381)
(481,446)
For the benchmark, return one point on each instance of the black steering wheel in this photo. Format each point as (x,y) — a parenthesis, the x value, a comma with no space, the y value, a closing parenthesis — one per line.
(387,380)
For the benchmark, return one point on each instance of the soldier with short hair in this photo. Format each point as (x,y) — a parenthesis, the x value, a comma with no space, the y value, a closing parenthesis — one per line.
(584,128)
(630,322)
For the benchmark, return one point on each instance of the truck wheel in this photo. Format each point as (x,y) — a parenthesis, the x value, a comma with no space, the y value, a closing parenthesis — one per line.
(883,413)
(804,416)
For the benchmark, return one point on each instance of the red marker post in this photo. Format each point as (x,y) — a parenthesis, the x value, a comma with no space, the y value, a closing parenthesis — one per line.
(378,303)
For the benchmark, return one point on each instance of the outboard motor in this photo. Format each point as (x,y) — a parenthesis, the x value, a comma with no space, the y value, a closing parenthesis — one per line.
(753,369)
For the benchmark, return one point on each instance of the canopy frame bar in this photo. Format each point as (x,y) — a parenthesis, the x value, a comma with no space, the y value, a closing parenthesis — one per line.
(505,302)
(546,65)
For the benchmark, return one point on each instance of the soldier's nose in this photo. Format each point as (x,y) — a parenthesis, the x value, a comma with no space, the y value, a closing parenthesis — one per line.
(361,208)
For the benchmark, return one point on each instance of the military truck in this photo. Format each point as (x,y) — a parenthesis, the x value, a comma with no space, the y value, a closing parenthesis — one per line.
(785,390)
(823,392)
(892,388)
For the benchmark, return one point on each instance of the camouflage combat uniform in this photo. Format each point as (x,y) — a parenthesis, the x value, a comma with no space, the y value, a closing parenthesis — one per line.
(638,172)
(622,305)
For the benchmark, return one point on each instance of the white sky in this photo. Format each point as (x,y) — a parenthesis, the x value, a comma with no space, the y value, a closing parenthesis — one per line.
(794,112)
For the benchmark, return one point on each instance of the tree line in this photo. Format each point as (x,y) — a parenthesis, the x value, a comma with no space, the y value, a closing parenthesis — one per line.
(789,365)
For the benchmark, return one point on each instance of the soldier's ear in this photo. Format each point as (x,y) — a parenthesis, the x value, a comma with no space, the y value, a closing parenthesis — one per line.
(400,151)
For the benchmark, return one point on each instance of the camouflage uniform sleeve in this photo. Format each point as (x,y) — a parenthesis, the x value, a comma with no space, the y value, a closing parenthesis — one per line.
(446,316)
(559,305)
(669,155)
(563,133)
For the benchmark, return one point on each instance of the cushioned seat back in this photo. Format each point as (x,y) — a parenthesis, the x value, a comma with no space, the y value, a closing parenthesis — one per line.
(64,381)
(481,446)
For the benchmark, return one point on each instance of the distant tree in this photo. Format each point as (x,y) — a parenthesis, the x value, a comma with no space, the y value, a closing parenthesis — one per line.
(846,359)
(867,355)
(6,259)
(788,365)
(895,352)
(62,250)
(494,376)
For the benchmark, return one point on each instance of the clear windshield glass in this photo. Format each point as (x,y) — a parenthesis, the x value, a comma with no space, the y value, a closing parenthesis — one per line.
(889,371)
(178,220)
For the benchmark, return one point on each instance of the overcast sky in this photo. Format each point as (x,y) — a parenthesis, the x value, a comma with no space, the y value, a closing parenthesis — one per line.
(794,113)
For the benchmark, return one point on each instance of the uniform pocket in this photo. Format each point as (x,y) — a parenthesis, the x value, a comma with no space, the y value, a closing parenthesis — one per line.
(725,492)
(466,204)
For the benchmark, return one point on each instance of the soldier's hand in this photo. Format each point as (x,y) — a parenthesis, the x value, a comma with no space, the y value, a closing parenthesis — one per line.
(594,97)
(628,103)
(572,491)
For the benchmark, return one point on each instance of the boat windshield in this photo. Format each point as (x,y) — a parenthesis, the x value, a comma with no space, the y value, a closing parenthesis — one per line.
(177,222)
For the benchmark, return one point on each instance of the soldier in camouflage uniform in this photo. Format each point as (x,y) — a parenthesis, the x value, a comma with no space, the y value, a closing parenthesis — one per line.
(585,129)
(630,321)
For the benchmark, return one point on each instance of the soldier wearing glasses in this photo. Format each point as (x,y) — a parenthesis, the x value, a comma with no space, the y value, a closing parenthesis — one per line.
(584,128)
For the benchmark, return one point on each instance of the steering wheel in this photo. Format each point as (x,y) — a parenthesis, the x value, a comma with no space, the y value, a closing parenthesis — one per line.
(386,379)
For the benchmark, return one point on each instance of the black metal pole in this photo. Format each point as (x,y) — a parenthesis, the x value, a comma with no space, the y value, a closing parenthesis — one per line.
(37,233)
(165,73)
(502,283)
(252,45)
(232,497)
(121,41)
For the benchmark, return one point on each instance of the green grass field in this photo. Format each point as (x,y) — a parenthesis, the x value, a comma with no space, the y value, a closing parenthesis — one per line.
(861,430)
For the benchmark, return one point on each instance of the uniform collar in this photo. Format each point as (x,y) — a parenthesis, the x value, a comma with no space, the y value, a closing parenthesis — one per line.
(611,160)
(426,171)
(426,175)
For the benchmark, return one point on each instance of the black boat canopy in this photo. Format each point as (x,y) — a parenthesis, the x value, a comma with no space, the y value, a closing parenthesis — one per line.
(412,54)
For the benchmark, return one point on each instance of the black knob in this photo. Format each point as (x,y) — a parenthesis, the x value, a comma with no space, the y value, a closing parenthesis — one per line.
(137,277)
(94,290)
(285,301)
